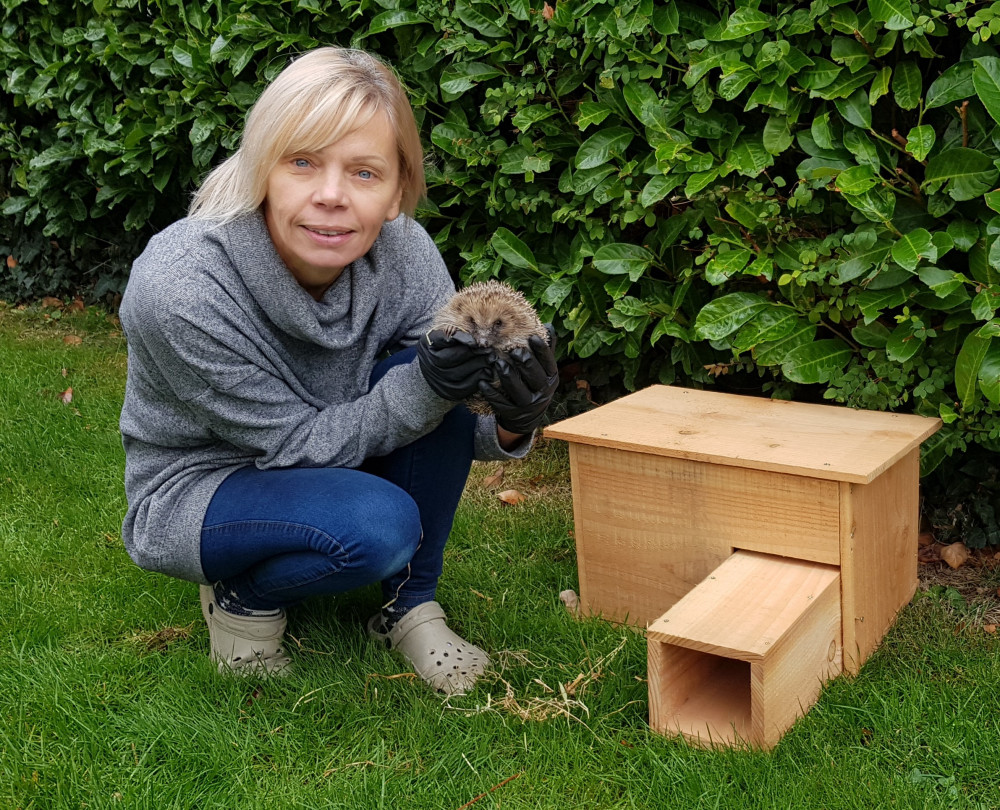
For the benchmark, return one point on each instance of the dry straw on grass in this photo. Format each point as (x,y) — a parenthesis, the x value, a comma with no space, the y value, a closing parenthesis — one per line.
(566,699)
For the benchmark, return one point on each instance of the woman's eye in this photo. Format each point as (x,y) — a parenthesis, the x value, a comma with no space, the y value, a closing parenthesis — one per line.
(300,163)
(364,174)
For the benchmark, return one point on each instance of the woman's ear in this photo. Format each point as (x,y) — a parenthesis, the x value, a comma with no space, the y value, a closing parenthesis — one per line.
(393,211)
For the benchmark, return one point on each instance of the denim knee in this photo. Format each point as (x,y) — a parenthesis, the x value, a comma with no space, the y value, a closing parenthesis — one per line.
(387,538)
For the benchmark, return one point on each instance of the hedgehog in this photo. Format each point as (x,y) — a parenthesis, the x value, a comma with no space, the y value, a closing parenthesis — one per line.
(496,315)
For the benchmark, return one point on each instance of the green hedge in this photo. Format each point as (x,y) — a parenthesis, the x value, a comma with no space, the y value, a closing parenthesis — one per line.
(796,198)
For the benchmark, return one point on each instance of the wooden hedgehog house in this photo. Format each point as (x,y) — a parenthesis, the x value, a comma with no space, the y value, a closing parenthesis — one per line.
(766,545)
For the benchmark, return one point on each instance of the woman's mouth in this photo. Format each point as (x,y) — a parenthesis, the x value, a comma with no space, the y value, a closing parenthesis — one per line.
(327,232)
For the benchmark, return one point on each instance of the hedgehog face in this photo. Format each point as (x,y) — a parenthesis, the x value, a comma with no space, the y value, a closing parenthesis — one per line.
(489,331)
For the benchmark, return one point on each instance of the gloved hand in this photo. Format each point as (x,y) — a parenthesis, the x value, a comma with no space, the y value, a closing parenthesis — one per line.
(453,366)
(527,381)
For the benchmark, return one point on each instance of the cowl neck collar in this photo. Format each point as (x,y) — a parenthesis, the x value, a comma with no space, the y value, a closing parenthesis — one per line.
(336,321)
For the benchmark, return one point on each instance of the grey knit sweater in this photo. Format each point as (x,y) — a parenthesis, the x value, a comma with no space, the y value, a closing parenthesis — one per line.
(232,363)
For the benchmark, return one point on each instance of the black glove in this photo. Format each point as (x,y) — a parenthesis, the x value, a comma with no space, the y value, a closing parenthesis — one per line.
(527,381)
(453,366)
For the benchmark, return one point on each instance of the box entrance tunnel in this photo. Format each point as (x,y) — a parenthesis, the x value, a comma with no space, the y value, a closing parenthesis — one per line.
(747,651)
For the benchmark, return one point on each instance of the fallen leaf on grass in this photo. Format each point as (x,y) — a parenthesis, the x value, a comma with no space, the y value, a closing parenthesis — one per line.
(925,539)
(72,340)
(49,301)
(65,372)
(548,12)
(511,497)
(77,305)
(494,480)
(67,396)
(990,628)
(955,554)
(11,262)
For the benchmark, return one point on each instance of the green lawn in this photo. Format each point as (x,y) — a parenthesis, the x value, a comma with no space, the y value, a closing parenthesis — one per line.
(107,698)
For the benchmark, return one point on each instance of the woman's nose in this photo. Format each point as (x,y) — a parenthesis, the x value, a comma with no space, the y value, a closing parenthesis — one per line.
(330,189)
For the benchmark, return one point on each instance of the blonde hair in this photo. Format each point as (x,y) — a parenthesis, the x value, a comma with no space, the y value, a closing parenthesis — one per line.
(318,99)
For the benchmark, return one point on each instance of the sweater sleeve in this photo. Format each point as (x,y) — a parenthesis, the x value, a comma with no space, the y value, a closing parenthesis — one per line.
(246,404)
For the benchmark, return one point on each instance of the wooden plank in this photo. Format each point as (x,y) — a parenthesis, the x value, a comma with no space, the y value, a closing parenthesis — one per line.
(732,615)
(649,528)
(821,441)
(789,680)
(880,523)
(640,533)
(578,484)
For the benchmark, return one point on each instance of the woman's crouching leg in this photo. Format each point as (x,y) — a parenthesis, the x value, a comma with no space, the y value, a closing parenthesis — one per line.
(275,537)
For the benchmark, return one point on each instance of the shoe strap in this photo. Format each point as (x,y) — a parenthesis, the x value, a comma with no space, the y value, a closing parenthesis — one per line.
(421,614)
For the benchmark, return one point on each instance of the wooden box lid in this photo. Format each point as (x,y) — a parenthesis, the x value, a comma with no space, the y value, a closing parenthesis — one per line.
(818,441)
(732,615)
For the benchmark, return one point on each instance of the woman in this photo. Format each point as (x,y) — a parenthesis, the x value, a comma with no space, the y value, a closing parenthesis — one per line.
(290,429)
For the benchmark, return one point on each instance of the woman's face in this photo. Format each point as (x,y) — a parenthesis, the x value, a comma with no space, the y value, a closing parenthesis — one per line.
(325,208)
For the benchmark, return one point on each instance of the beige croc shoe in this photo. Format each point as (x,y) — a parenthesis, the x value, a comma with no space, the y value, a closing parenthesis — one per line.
(442,658)
(245,645)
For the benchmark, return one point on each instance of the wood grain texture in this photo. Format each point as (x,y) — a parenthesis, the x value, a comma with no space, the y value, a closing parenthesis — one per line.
(745,606)
(819,441)
(649,528)
(775,541)
(788,681)
(880,524)
(703,697)
(746,652)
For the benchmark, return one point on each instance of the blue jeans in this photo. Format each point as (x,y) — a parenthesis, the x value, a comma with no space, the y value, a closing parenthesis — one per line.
(275,537)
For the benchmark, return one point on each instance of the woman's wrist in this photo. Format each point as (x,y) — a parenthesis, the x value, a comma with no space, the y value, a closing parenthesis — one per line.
(509,441)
